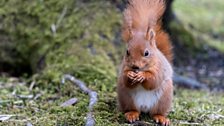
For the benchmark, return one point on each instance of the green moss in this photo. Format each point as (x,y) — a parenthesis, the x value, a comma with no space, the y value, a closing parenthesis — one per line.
(88,24)
(82,46)
(189,106)
(197,107)
(184,37)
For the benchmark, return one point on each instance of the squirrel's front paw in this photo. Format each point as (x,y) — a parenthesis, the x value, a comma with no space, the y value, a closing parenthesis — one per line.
(131,75)
(139,77)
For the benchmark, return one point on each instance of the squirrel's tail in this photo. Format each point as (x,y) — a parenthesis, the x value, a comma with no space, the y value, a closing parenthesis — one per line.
(140,15)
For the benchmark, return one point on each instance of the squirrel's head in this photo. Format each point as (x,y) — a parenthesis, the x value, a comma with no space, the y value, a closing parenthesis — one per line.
(140,50)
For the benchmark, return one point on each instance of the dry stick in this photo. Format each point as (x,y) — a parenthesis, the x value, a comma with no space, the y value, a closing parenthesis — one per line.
(188,82)
(90,121)
(60,18)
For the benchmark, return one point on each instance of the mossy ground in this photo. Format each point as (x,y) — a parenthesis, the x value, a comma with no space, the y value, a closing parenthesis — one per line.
(189,107)
(84,45)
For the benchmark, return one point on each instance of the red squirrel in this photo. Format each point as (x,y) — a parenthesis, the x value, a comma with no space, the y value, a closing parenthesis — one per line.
(145,78)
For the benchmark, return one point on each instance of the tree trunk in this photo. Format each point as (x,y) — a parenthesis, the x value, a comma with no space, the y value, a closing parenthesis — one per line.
(168,15)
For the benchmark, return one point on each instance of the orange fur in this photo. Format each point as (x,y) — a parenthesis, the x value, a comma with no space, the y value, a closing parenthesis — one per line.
(141,14)
(132,116)
(164,45)
(145,79)
(164,104)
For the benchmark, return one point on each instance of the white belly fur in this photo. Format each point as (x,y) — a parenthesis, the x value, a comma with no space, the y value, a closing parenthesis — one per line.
(143,99)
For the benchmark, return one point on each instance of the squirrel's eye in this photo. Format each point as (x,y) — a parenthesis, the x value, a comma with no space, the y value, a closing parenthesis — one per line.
(146,53)
(127,53)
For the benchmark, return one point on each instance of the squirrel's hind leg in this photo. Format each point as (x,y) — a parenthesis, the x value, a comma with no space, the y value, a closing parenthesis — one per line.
(162,108)
(126,103)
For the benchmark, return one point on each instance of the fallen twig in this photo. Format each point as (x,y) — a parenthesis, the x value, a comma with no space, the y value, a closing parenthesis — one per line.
(5,117)
(69,102)
(90,121)
(189,123)
(188,82)
(25,96)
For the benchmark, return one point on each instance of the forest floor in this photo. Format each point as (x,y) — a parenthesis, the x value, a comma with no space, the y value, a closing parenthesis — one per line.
(42,107)
(36,100)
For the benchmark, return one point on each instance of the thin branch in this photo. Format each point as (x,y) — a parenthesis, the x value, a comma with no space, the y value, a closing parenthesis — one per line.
(69,102)
(90,121)
(189,123)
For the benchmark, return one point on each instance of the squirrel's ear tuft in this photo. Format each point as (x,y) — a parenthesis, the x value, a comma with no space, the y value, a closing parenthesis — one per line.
(127,31)
(150,34)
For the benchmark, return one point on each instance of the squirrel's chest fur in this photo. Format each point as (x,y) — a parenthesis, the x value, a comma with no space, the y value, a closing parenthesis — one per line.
(144,99)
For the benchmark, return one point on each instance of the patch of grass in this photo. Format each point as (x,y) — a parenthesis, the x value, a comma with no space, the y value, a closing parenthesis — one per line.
(82,46)
(192,106)
(189,106)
